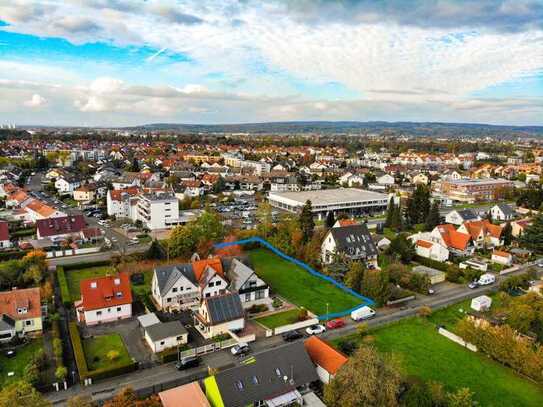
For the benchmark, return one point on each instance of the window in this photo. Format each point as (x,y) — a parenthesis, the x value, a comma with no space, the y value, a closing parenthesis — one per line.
(255,380)
(239,385)
(98,313)
(247,297)
(278,372)
(118,309)
(29,322)
(179,338)
(168,300)
(208,295)
(162,342)
(174,290)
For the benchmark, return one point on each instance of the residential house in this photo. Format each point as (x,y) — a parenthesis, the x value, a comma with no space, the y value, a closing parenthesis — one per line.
(187,395)
(386,180)
(501,257)
(104,299)
(459,216)
(165,335)
(60,228)
(182,286)
(66,185)
(456,242)
(220,315)
(5,243)
(85,193)
(20,313)
(431,250)
(120,203)
(244,281)
(193,189)
(519,226)
(277,377)
(420,178)
(483,233)
(502,212)
(353,242)
(37,210)
(326,358)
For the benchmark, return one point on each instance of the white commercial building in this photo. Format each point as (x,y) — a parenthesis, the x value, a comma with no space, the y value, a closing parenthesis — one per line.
(158,211)
(352,201)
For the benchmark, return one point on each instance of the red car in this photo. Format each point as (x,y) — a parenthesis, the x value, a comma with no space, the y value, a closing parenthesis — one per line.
(335,323)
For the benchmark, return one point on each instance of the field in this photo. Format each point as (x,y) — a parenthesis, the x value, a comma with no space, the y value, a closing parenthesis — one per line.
(426,354)
(97,347)
(279,319)
(74,277)
(298,286)
(17,364)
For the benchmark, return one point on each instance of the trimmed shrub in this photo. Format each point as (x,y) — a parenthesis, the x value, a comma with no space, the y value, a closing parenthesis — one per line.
(90,264)
(63,284)
(79,354)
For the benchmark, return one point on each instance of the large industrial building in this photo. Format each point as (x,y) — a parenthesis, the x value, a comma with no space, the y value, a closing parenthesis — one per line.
(351,201)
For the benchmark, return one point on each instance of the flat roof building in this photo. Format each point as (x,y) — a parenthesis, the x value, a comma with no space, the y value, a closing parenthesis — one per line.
(352,201)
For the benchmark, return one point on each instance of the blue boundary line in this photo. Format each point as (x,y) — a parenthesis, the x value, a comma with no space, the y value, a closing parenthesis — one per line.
(366,300)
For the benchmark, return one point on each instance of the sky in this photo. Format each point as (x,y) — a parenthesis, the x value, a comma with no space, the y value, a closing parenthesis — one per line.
(131,62)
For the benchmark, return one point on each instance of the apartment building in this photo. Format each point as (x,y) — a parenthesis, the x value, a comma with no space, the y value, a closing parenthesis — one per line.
(158,210)
(473,190)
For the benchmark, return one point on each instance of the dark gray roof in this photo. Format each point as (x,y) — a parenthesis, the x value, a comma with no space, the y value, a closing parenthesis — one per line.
(238,274)
(354,241)
(467,214)
(506,209)
(6,323)
(262,376)
(165,330)
(224,308)
(167,276)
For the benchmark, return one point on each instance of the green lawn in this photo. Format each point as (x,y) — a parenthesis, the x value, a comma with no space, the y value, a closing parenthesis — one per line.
(74,277)
(97,347)
(298,286)
(17,363)
(279,319)
(426,354)
(144,289)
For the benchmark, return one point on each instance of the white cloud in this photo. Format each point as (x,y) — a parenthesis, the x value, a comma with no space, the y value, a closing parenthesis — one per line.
(35,101)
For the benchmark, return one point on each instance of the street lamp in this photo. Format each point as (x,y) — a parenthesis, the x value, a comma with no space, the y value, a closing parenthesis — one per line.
(327,311)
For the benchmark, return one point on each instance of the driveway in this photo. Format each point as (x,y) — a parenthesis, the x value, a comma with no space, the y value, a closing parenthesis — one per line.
(132,336)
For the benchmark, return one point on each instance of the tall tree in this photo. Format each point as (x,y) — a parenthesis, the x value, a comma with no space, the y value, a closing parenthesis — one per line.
(390,213)
(265,219)
(330,219)
(355,276)
(434,218)
(21,394)
(533,235)
(367,379)
(507,234)
(307,224)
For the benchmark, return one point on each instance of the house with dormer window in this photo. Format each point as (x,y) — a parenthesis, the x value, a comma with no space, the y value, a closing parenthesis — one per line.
(183,286)
(104,299)
(352,241)
(20,313)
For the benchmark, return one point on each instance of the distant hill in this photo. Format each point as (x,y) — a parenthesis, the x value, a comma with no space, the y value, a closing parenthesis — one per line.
(329,127)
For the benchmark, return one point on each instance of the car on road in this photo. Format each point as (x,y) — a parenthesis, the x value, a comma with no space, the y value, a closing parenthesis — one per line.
(487,279)
(187,362)
(240,349)
(335,323)
(361,313)
(474,284)
(292,336)
(315,329)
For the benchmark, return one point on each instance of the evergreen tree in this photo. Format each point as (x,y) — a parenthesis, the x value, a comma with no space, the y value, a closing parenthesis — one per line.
(156,251)
(307,224)
(330,220)
(533,235)
(219,186)
(507,234)
(397,221)
(390,213)
(434,218)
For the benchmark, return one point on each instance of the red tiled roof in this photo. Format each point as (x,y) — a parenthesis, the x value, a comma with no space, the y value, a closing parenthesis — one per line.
(198,267)
(4,231)
(102,292)
(453,238)
(60,226)
(347,222)
(116,193)
(501,253)
(424,243)
(477,226)
(28,297)
(324,355)
(40,208)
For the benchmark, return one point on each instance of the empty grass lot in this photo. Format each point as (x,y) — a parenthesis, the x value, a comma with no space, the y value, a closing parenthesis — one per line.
(426,354)
(18,363)
(97,347)
(74,277)
(298,286)
(279,319)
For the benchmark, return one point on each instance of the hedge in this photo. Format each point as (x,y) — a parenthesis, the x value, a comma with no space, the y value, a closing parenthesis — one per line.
(98,263)
(63,284)
(168,355)
(432,263)
(13,255)
(23,233)
(79,353)
(81,361)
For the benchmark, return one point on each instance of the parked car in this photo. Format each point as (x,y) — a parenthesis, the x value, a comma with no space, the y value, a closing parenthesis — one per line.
(187,362)
(292,336)
(364,312)
(315,329)
(335,323)
(240,349)
(474,284)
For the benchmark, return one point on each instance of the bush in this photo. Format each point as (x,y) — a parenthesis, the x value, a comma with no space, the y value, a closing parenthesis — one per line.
(425,311)
(75,266)
(257,308)
(302,315)
(57,347)
(63,284)
(277,303)
(13,255)
(346,346)
(112,355)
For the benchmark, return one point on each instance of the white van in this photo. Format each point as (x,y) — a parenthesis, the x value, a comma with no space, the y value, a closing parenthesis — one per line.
(487,279)
(364,312)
